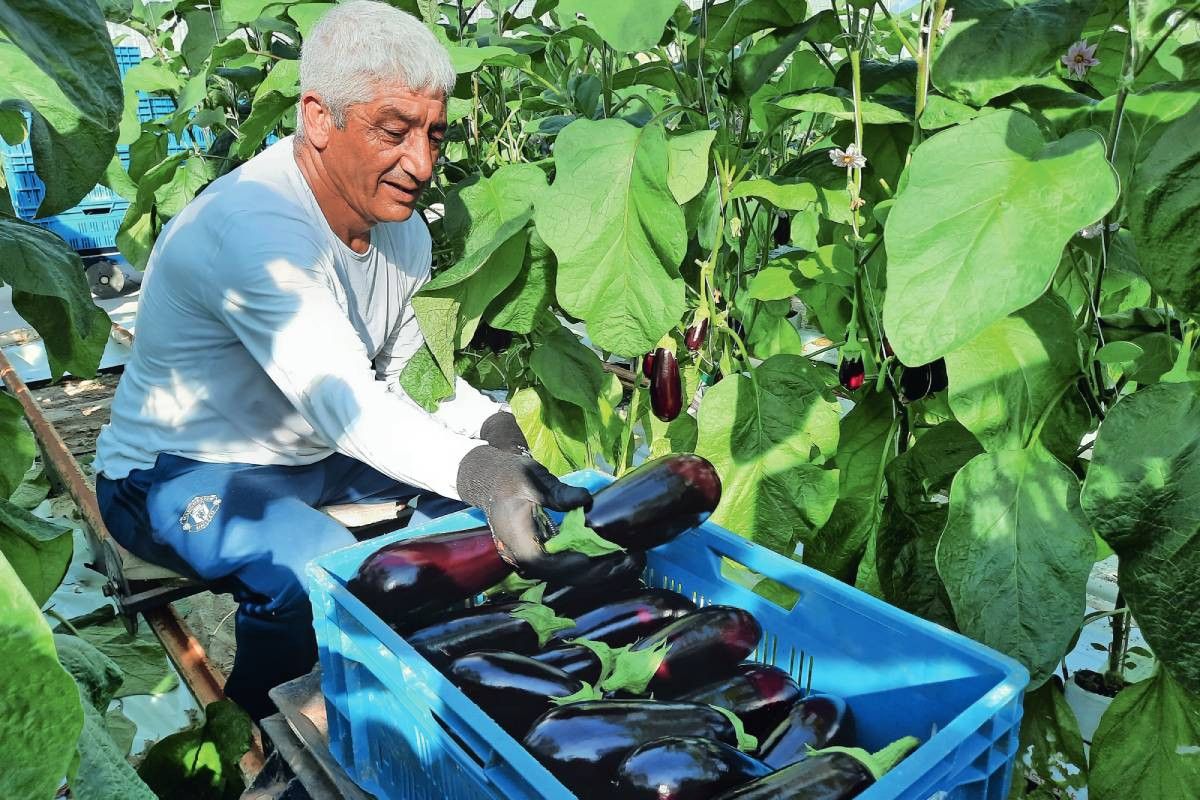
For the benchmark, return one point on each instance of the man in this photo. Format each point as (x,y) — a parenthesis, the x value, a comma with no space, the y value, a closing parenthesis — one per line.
(273,324)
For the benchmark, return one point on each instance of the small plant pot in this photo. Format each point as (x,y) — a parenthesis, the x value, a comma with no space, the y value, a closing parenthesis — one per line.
(1086,701)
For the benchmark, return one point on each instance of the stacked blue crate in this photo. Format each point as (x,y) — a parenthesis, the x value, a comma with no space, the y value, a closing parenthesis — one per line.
(93,223)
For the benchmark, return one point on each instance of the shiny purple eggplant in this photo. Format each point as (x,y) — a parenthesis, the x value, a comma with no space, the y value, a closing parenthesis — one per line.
(701,647)
(817,721)
(759,694)
(684,768)
(511,688)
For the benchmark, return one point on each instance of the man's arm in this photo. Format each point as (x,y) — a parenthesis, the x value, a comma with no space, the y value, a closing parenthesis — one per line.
(279,305)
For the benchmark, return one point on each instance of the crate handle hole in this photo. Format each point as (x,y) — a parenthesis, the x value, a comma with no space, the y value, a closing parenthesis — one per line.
(460,741)
(101,210)
(771,590)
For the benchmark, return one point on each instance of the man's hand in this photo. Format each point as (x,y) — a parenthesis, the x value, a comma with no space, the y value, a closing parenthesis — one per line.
(501,431)
(511,490)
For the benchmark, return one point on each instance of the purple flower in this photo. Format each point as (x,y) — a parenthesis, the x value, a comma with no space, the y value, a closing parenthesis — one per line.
(1080,58)
(848,158)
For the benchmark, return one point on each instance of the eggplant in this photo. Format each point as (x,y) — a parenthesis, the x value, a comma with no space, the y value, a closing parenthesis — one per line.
(666,390)
(656,502)
(816,721)
(684,768)
(704,646)
(487,627)
(759,694)
(574,659)
(648,365)
(511,688)
(851,374)
(624,580)
(837,773)
(696,333)
(922,381)
(783,230)
(428,572)
(625,621)
(584,743)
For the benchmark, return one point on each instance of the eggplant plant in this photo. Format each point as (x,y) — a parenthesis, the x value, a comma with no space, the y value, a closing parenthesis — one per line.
(987,216)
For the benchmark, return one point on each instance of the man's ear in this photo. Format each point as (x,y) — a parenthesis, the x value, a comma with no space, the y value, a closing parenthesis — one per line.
(317,120)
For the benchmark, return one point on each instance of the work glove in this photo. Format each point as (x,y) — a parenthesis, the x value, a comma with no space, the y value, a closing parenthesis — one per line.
(512,489)
(501,431)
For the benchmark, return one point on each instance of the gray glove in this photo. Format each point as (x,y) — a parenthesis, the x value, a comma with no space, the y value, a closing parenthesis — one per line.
(501,430)
(511,490)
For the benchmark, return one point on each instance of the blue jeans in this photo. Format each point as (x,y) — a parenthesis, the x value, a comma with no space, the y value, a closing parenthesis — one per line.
(251,530)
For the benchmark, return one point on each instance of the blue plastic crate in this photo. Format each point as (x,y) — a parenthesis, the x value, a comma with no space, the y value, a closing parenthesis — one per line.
(86,231)
(404,732)
(127,57)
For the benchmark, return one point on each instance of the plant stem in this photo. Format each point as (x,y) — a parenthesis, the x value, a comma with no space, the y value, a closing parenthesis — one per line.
(631,420)
(1120,642)
(896,29)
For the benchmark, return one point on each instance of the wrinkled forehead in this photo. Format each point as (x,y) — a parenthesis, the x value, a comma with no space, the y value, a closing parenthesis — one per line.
(413,105)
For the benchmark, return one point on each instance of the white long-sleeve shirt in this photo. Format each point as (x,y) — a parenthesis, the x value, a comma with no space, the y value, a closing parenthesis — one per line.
(263,339)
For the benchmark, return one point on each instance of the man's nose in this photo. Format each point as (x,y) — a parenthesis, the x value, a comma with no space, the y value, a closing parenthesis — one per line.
(418,160)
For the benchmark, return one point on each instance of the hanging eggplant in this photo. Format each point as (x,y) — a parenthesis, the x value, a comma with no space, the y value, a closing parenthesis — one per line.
(666,389)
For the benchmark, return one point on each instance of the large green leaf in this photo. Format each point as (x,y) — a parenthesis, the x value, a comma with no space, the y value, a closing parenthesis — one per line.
(40,710)
(1140,496)
(19,448)
(1146,743)
(50,292)
(141,658)
(423,380)
(866,444)
(1050,748)
(1164,214)
(628,26)
(687,159)
(274,96)
(978,230)
(141,224)
(995,46)
(617,231)
(518,307)
(38,550)
(1004,380)
(555,431)
(729,23)
(839,103)
(56,56)
(758,63)
(449,307)
(201,762)
(102,772)
(762,434)
(478,207)
(568,369)
(1016,554)
(915,516)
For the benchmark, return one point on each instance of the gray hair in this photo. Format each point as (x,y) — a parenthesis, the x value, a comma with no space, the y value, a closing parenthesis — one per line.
(360,44)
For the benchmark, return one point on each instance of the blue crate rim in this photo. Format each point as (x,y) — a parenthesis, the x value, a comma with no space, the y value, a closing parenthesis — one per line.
(945,742)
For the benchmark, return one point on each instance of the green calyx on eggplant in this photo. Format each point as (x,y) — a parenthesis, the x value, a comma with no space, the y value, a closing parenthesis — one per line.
(684,768)
(761,696)
(584,743)
(628,620)
(836,773)
(656,502)
(922,381)
(512,689)
(434,571)
(666,388)
(699,648)
(817,721)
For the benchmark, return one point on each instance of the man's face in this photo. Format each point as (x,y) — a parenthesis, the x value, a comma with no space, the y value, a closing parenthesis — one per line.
(385,156)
